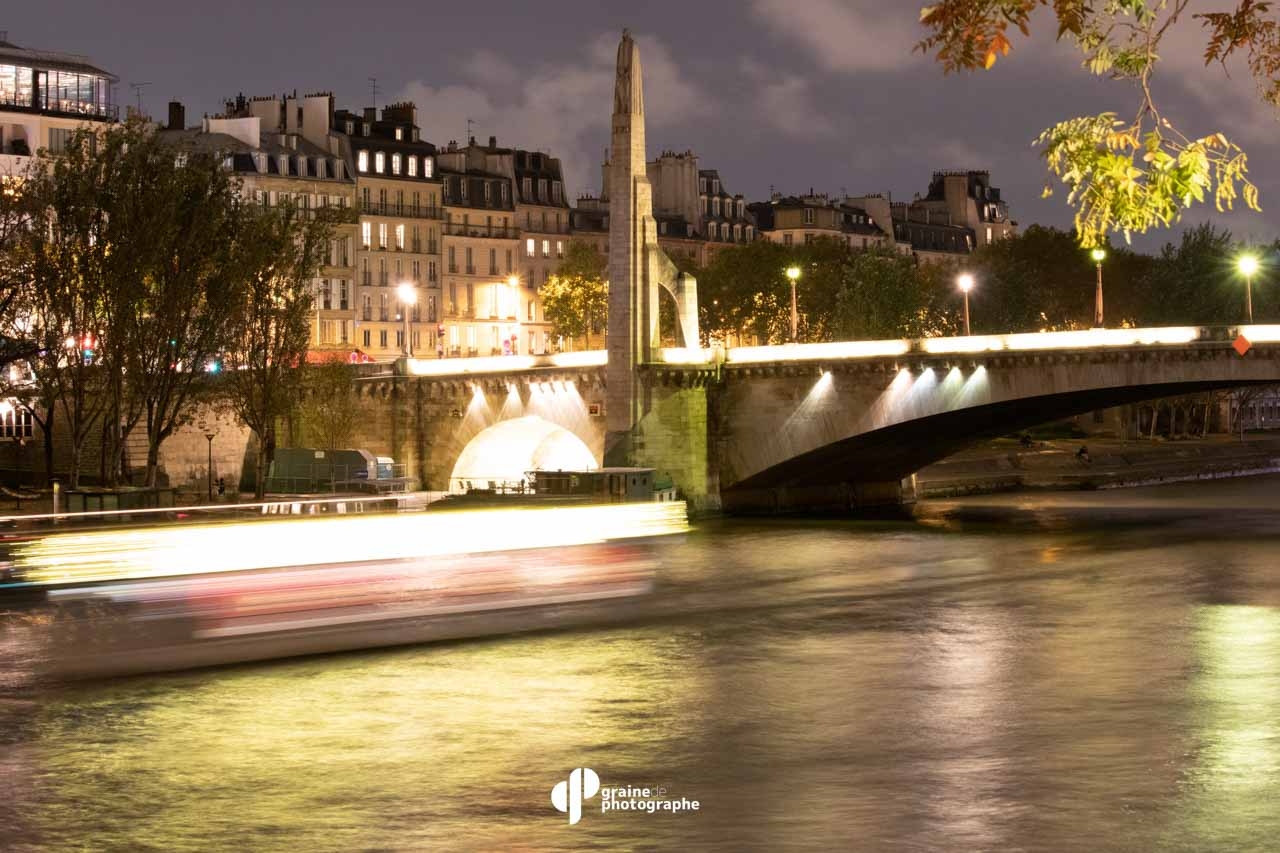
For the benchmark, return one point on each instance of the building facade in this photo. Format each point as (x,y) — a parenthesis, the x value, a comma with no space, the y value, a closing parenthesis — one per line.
(401,233)
(282,151)
(482,291)
(45,97)
(800,220)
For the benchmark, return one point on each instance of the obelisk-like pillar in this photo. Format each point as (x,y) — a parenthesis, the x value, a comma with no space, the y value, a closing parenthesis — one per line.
(629,337)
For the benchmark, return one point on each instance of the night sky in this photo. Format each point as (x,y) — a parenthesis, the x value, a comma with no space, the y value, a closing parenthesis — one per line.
(791,94)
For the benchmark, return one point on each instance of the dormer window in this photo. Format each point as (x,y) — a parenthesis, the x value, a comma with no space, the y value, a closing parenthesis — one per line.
(505,192)
(379,162)
(555,192)
(283,164)
(428,167)
(302,166)
(362,161)
(808,216)
(413,167)
(350,127)
(399,134)
(526,188)
(395,163)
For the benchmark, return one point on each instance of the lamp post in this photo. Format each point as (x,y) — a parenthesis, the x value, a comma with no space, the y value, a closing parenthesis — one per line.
(793,273)
(513,281)
(210,436)
(1099,255)
(965,282)
(1248,266)
(408,296)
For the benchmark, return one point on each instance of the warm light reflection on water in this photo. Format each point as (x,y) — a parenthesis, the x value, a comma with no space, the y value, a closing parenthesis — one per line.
(1092,672)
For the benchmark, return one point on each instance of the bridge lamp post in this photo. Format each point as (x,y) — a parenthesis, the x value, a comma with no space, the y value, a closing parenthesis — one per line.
(513,281)
(793,273)
(1099,255)
(1248,266)
(408,296)
(965,283)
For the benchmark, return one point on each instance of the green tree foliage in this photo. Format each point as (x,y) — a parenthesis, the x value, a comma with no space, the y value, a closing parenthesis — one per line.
(279,251)
(329,407)
(842,294)
(1195,282)
(576,299)
(1123,176)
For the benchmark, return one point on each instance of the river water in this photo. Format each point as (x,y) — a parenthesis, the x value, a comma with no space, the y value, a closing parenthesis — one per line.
(1086,671)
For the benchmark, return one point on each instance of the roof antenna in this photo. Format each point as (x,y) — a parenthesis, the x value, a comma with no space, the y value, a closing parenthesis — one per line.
(469,137)
(137,90)
(373,90)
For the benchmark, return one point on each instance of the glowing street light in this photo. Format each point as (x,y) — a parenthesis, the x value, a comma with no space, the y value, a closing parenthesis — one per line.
(965,282)
(513,281)
(1099,255)
(793,273)
(408,296)
(1248,266)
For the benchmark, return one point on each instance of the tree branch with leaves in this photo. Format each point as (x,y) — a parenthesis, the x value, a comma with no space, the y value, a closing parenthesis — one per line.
(1123,176)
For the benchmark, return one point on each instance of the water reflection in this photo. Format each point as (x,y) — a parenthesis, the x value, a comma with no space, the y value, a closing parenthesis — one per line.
(1105,681)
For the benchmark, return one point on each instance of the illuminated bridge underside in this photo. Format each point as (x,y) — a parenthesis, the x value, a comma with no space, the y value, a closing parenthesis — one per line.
(848,437)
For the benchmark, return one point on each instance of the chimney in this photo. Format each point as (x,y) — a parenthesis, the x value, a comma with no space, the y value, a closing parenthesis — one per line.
(371,114)
(493,142)
(177,116)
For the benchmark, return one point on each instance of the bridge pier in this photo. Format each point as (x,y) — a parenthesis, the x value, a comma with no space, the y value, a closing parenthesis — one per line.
(832,498)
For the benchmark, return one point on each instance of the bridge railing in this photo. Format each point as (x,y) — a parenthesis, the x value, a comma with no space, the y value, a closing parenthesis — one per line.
(1082,339)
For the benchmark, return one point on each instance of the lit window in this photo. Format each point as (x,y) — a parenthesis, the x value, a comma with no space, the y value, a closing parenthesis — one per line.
(546,248)
(379,162)
(362,161)
(395,164)
(530,247)
(559,249)
(382,235)
(427,167)
(399,236)
(399,133)
(413,167)
(366,233)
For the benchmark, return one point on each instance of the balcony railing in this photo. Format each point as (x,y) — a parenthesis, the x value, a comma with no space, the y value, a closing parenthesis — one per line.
(377,208)
(460,229)
(60,106)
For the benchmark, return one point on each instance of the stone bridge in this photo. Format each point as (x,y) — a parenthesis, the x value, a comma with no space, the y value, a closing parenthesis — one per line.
(796,427)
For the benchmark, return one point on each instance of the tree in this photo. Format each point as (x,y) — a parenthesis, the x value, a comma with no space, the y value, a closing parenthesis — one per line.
(743,293)
(576,298)
(329,409)
(1123,176)
(884,294)
(278,252)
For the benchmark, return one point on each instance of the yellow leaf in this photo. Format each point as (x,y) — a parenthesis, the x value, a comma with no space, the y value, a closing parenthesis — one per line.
(989,61)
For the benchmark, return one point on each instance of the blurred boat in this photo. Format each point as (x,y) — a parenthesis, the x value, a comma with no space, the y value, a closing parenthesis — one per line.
(181,596)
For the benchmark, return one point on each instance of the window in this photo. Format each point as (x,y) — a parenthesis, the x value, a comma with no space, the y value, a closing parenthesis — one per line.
(786,239)
(808,238)
(531,247)
(382,272)
(326,295)
(366,309)
(808,216)
(362,162)
(542,189)
(342,294)
(427,167)
(382,338)
(509,265)
(493,262)
(366,337)
(715,185)
(400,237)
(559,249)
(546,248)
(505,193)
(382,307)
(715,207)
(365,275)
(366,234)
(431,270)
(533,315)
(555,191)
(702,185)
(488,193)
(412,166)
(526,188)
(400,338)
(379,162)
(471,266)
(364,198)
(382,235)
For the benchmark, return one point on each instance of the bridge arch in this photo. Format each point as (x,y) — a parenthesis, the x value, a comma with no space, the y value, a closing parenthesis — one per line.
(503,452)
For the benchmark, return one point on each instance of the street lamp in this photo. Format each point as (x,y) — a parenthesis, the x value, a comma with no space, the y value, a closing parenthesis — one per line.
(965,282)
(1248,266)
(210,435)
(793,273)
(513,281)
(1099,255)
(408,296)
